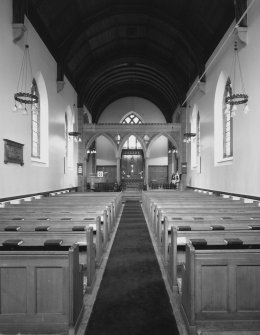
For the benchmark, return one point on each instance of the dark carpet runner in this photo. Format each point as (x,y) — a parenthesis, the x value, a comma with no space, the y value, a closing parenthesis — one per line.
(132,298)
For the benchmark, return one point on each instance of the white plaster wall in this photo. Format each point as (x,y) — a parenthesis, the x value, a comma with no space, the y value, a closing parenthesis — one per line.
(159,152)
(242,174)
(32,177)
(148,111)
(105,152)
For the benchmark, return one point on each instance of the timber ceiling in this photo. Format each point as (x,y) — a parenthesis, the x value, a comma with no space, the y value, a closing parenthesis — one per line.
(115,48)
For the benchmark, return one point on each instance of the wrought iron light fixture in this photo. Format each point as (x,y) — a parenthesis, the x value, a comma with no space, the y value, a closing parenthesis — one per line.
(24,95)
(235,98)
(76,135)
(188,137)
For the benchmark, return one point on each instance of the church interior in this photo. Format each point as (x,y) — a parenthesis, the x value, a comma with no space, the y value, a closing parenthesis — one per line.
(126,201)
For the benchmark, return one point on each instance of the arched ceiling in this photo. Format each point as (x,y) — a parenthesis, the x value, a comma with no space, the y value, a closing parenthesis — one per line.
(148,48)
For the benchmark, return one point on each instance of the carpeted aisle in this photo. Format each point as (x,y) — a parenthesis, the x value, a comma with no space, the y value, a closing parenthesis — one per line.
(132,298)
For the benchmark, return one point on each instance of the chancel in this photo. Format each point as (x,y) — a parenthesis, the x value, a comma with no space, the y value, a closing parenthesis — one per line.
(129,170)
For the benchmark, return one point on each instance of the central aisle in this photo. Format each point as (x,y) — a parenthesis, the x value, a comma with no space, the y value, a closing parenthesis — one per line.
(132,298)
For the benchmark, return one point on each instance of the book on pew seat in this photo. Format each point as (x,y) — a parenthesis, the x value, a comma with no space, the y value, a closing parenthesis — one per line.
(85,219)
(184,228)
(42,228)
(254,227)
(12,243)
(66,219)
(226,218)
(17,219)
(12,228)
(53,242)
(78,228)
(198,241)
(217,227)
(43,219)
(233,241)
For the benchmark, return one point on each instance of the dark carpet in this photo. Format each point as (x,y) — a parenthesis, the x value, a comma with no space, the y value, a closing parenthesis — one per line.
(132,298)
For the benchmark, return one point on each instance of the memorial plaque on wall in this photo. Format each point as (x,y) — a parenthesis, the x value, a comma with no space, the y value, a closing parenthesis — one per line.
(13,152)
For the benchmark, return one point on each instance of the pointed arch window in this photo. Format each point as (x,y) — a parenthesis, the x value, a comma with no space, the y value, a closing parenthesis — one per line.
(66,135)
(35,124)
(198,139)
(227,123)
(132,118)
(132,143)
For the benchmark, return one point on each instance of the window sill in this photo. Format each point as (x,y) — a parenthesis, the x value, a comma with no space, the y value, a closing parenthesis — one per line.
(225,161)
(38,161)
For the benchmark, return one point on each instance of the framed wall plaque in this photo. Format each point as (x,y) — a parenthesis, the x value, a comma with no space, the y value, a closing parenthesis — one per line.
(13,152)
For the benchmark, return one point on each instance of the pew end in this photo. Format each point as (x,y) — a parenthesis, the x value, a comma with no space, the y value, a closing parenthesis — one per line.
(220,289)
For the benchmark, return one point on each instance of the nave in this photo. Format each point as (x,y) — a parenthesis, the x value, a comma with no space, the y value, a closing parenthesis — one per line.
(86,264)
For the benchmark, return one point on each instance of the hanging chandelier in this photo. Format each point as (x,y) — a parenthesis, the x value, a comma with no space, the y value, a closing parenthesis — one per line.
(235,98)
(24,95)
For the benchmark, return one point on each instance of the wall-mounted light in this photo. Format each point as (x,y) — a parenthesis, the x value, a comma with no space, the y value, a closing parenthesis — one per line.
(91,151)
(76,135)
(173,151)
(188,137)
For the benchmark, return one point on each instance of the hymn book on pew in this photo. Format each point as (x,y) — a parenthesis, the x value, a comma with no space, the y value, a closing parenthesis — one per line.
(12,243)
(42,228)
(53,242)
(12,228)
(254,227)
(233,241)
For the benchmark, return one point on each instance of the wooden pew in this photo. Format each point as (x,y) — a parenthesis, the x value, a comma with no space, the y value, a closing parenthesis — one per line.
(164,229)
(220,289)
(90,253)
(173,255)
(63,211)
(205,214)
(29,221)
(41,290)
